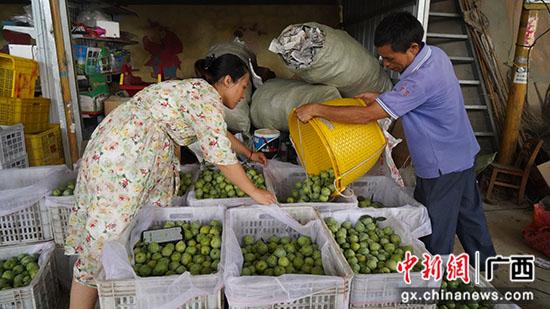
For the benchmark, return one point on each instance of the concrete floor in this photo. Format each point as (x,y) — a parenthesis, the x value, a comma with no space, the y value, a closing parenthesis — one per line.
(506,221)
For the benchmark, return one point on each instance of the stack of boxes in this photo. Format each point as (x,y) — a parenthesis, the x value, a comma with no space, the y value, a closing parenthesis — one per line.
(26,136)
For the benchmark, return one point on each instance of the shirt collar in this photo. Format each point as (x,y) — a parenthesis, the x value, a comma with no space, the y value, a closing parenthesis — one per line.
(418,61)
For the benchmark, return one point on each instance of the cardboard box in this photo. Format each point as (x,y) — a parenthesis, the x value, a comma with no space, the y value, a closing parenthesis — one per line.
(112,28)
(544,170)
(113,102)
(23,51)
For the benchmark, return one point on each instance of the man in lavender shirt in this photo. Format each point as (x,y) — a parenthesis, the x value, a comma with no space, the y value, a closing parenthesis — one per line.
(441,141)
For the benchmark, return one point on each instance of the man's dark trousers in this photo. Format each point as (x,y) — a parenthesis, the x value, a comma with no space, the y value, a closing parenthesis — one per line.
(455,207)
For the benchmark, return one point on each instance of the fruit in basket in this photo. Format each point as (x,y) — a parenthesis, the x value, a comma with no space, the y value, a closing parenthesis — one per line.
(368,247)
(315,188)
(213,184)
(199,252)
(277,256)
(65,190)
(19,271)
(186,179)
(365,202)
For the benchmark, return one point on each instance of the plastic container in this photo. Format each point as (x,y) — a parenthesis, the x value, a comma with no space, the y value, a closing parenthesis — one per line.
(43,291)
(59,209)
(17,76)
(267,141)
(23,215)
(152,292)
(45,148)
(20,162)
(12,147)
(226,202)
(328,291)
(351,150)
(383,290)
(194,169)
(32,113)
(281,178)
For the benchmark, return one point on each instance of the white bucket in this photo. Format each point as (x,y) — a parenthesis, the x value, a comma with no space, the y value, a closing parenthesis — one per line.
(267,141)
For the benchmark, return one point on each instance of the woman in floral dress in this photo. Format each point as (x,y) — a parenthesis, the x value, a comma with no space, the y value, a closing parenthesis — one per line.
(130,159)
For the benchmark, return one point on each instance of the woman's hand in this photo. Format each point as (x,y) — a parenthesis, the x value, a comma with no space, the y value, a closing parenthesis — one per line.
(263,197)
(259,157)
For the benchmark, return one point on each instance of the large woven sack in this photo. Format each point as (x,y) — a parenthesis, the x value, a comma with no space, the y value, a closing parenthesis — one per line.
(276,98)
(335,59)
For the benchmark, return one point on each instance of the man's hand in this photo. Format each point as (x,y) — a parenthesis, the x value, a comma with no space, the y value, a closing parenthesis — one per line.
(368,97)
(307,111)
(259,157)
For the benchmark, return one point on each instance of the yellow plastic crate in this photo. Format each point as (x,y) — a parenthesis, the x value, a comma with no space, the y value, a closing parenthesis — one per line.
(32,113)
(17,76)
(351,150)
(45,148)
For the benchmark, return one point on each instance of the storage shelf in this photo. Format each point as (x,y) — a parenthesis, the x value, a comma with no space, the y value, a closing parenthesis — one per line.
(106,40)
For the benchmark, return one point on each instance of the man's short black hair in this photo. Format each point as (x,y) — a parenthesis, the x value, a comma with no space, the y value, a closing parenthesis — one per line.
(400,30)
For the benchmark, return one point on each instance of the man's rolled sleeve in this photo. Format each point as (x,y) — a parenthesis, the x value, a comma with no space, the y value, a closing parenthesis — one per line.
(405,96)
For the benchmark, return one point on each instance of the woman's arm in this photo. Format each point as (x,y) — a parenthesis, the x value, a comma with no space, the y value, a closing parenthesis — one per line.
(238,146)
(236,174)
(241,148)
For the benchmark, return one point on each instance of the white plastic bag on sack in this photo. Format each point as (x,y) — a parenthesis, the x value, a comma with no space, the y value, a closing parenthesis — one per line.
(378,289)
(319,54)
(281,178)
(22,188)
(270,290)
(385,165)
(161,292)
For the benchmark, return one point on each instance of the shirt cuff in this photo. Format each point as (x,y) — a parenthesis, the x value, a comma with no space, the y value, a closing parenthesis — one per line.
(386,108)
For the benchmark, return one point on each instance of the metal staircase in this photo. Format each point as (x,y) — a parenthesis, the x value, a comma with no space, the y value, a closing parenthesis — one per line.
(448,31)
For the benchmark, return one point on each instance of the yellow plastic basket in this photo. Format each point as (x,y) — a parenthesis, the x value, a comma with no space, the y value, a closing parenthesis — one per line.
(45,148)
(32,113)
(17,76)
(350,150)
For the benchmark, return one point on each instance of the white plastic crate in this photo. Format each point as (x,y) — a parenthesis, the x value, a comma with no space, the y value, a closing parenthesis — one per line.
(290,291)
(382,290)
(21,162)
(23,215)
(59,209)
(42,292)
(13,153)
(149,292)
(281,178)
(227,202)
(194,169)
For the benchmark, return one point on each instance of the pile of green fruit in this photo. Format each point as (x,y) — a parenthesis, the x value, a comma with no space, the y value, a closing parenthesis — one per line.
(18,271)
(185,182)
(369,248)
(213,184)
(368,202)
(315,188)
(459,285)
(65,190)
(280,255)
(199,251)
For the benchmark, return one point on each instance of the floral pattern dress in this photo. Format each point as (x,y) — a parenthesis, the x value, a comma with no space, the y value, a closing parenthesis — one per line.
(130,162)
